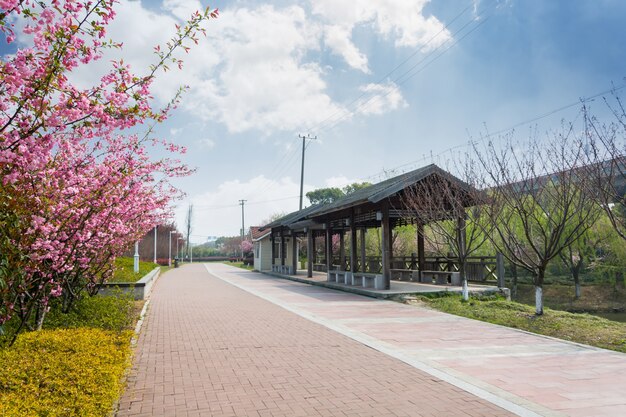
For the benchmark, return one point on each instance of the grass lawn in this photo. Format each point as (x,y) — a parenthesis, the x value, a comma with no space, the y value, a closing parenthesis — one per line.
(124,268)
(240,265)
(599,297)
(581,328)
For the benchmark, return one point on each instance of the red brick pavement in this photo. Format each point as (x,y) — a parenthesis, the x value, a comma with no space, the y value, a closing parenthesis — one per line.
(208,348)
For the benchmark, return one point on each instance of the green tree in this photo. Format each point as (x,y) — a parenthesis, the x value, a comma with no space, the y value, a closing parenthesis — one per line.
(355,186)
(324,195)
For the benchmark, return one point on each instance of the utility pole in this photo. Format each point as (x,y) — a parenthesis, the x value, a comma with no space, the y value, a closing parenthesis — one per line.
(304,138)
(241,203)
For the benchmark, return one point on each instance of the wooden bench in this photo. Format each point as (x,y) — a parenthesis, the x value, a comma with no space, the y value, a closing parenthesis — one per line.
(441,277)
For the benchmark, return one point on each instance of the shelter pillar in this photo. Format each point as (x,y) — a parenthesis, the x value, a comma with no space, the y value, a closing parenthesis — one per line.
(282,247)
(310,250)
(329,248)
(294,252)
(352,245)
(342,252)
(273,249)
(421,256)
(363,258)
(386,243)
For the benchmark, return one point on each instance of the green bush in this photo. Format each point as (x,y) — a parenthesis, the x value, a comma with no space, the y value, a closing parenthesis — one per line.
(108,313)
(124,270)
(74,372)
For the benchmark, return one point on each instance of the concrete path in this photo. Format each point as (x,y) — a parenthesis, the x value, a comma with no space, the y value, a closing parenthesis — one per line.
(210,348)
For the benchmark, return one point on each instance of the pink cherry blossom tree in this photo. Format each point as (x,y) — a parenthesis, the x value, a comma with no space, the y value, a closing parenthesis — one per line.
(77,185)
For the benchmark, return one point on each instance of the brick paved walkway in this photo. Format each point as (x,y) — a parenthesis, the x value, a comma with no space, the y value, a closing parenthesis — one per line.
(525,373)
(208,348)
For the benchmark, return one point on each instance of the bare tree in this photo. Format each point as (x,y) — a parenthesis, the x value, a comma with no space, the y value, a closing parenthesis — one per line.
(441,203)
(606,153)
(539,200)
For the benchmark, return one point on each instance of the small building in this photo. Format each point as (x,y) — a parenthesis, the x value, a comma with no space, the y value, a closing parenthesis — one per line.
(263,249)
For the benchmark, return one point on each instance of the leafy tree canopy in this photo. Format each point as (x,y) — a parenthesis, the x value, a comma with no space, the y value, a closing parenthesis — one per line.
(328,195)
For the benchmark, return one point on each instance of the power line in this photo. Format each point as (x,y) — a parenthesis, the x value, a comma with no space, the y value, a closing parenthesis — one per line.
(501,131)
(388,74)
(209,208)
(329,123)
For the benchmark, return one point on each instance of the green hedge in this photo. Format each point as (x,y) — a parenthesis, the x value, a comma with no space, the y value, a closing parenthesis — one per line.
(64,372)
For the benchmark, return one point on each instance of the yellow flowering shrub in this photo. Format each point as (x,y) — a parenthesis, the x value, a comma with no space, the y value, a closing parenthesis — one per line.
(64,372)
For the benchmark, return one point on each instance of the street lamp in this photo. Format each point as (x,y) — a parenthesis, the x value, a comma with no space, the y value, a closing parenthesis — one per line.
(155,242)
(136,263)
(169,259)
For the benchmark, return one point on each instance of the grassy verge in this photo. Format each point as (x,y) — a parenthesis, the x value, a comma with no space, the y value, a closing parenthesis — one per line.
(240,265)
(581,328)
(62,372)
(124,270)
(75,366)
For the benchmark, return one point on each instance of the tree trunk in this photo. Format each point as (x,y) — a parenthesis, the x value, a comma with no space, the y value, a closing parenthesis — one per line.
(538,300)
(539,292)
(465,290)
(577,289)
(514,281)
(40,316)
(620,283)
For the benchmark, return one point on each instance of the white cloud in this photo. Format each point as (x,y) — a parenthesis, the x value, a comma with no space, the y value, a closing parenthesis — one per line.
(402,20)
(206,143)
(337,38)
(182,9)
(218,213)
(254,70)
(380,98)
(340,181)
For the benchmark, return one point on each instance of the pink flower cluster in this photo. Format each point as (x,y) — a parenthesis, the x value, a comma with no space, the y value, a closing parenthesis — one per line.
(76,187)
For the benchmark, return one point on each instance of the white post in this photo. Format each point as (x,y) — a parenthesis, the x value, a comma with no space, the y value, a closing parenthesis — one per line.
(155,241)
(190,252)
(136,263)
(169,258)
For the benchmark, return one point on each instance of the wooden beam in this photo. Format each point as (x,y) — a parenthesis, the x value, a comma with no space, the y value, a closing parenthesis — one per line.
(273,249)
(342,251)
(352,244)
(386,243)
(282,247)
(329,248)
(310,250)
(294,253)
(363,252)
(421,255)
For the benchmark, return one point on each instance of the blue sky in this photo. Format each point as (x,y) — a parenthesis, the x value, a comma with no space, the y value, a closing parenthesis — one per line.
(269,71)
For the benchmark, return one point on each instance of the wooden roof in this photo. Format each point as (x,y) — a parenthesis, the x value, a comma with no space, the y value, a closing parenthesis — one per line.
(373,194)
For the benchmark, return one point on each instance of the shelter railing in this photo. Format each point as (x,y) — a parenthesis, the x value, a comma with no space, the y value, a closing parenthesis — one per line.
(478,268)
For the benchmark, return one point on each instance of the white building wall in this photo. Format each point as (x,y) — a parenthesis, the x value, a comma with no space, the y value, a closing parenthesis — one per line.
(263,254)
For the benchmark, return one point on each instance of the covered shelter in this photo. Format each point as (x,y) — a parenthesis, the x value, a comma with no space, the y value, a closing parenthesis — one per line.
(381,206)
